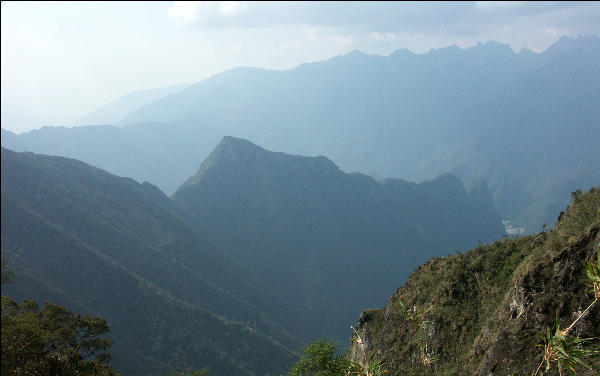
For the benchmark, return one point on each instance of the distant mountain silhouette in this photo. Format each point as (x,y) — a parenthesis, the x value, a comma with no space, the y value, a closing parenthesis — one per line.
(326,242)
(125,104)
(104,245)
(525,123)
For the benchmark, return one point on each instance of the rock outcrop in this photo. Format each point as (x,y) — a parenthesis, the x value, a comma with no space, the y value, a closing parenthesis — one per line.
(484,312)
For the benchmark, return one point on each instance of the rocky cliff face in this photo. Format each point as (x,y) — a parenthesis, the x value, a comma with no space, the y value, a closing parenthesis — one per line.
(483,313)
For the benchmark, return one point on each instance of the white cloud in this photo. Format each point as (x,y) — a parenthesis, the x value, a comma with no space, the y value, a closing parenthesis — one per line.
(201,12)
(229,7)
(184,12)
(494,4)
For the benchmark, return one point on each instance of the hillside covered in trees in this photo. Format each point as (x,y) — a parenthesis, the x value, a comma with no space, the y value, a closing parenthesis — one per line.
(255,255)
(107,246)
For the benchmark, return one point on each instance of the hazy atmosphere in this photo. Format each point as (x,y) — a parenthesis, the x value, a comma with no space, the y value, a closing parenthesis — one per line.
(62,60)
(300,189)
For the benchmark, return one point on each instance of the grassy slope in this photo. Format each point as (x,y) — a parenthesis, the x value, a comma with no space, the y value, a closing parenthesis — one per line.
(490,307)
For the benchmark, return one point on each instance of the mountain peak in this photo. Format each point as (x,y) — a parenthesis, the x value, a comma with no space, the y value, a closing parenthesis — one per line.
(494,46)
(356,52)
(235,150)
(401,53)
(453,49)
(567,43)
(242,155)
(229,141)
(231,150)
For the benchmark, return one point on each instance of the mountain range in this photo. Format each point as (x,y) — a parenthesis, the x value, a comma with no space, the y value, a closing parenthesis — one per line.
(125,104)
(316,230)
(525,123)
(255,255)
(105,245)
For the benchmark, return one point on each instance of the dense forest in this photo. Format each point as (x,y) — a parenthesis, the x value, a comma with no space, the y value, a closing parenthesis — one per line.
(480,312)
(263,266)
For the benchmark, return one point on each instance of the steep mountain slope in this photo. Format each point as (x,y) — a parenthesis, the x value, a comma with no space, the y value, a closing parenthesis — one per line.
(482,113)
(311,233)
(150,151)
(97,243)
(125,104)
(484,312)
(539,140)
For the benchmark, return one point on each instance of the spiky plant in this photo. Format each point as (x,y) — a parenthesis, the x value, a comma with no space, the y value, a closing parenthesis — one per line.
(372,368)
(593,273)
(428,358)
(418,324)
(566,351)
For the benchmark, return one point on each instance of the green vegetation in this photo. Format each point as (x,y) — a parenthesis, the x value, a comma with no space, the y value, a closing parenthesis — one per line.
(320,360)
(419,326)
(51,341)
(103,245)
(176,302)
(565,351)
(484,312)
(572,351)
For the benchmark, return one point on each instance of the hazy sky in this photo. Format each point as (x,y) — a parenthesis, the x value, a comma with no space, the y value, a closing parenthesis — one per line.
(61,61)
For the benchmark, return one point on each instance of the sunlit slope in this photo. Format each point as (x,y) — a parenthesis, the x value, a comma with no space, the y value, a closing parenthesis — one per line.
(486,311)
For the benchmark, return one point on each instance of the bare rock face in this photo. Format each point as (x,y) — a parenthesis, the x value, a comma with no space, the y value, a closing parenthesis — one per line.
(485,312)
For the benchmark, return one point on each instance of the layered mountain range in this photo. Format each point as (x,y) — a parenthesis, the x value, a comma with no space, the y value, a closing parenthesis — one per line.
(254,256)
(318,231)
(105,245)
(525,123)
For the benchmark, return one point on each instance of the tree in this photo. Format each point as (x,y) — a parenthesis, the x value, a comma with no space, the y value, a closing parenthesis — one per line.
(319,360)
(52,341)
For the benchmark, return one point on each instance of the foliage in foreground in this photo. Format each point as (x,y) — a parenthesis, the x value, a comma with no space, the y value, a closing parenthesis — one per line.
(320,360)
(52,341)
(484,312)
(570,352)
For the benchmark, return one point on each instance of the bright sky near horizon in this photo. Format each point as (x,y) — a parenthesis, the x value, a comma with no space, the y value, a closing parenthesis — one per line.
(62,60)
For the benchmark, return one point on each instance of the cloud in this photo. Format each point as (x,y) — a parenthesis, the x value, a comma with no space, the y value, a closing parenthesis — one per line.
(361,16)
(204,12)
(520,24)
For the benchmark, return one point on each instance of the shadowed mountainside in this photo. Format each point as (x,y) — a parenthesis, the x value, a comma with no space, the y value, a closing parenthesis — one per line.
(311,234)
(525,123)
(105,245)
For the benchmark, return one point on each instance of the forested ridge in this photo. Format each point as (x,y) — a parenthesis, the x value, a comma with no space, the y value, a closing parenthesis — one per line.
(176,296)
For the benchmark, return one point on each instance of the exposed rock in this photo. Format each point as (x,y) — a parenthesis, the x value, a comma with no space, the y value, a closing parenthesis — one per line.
(492,305)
